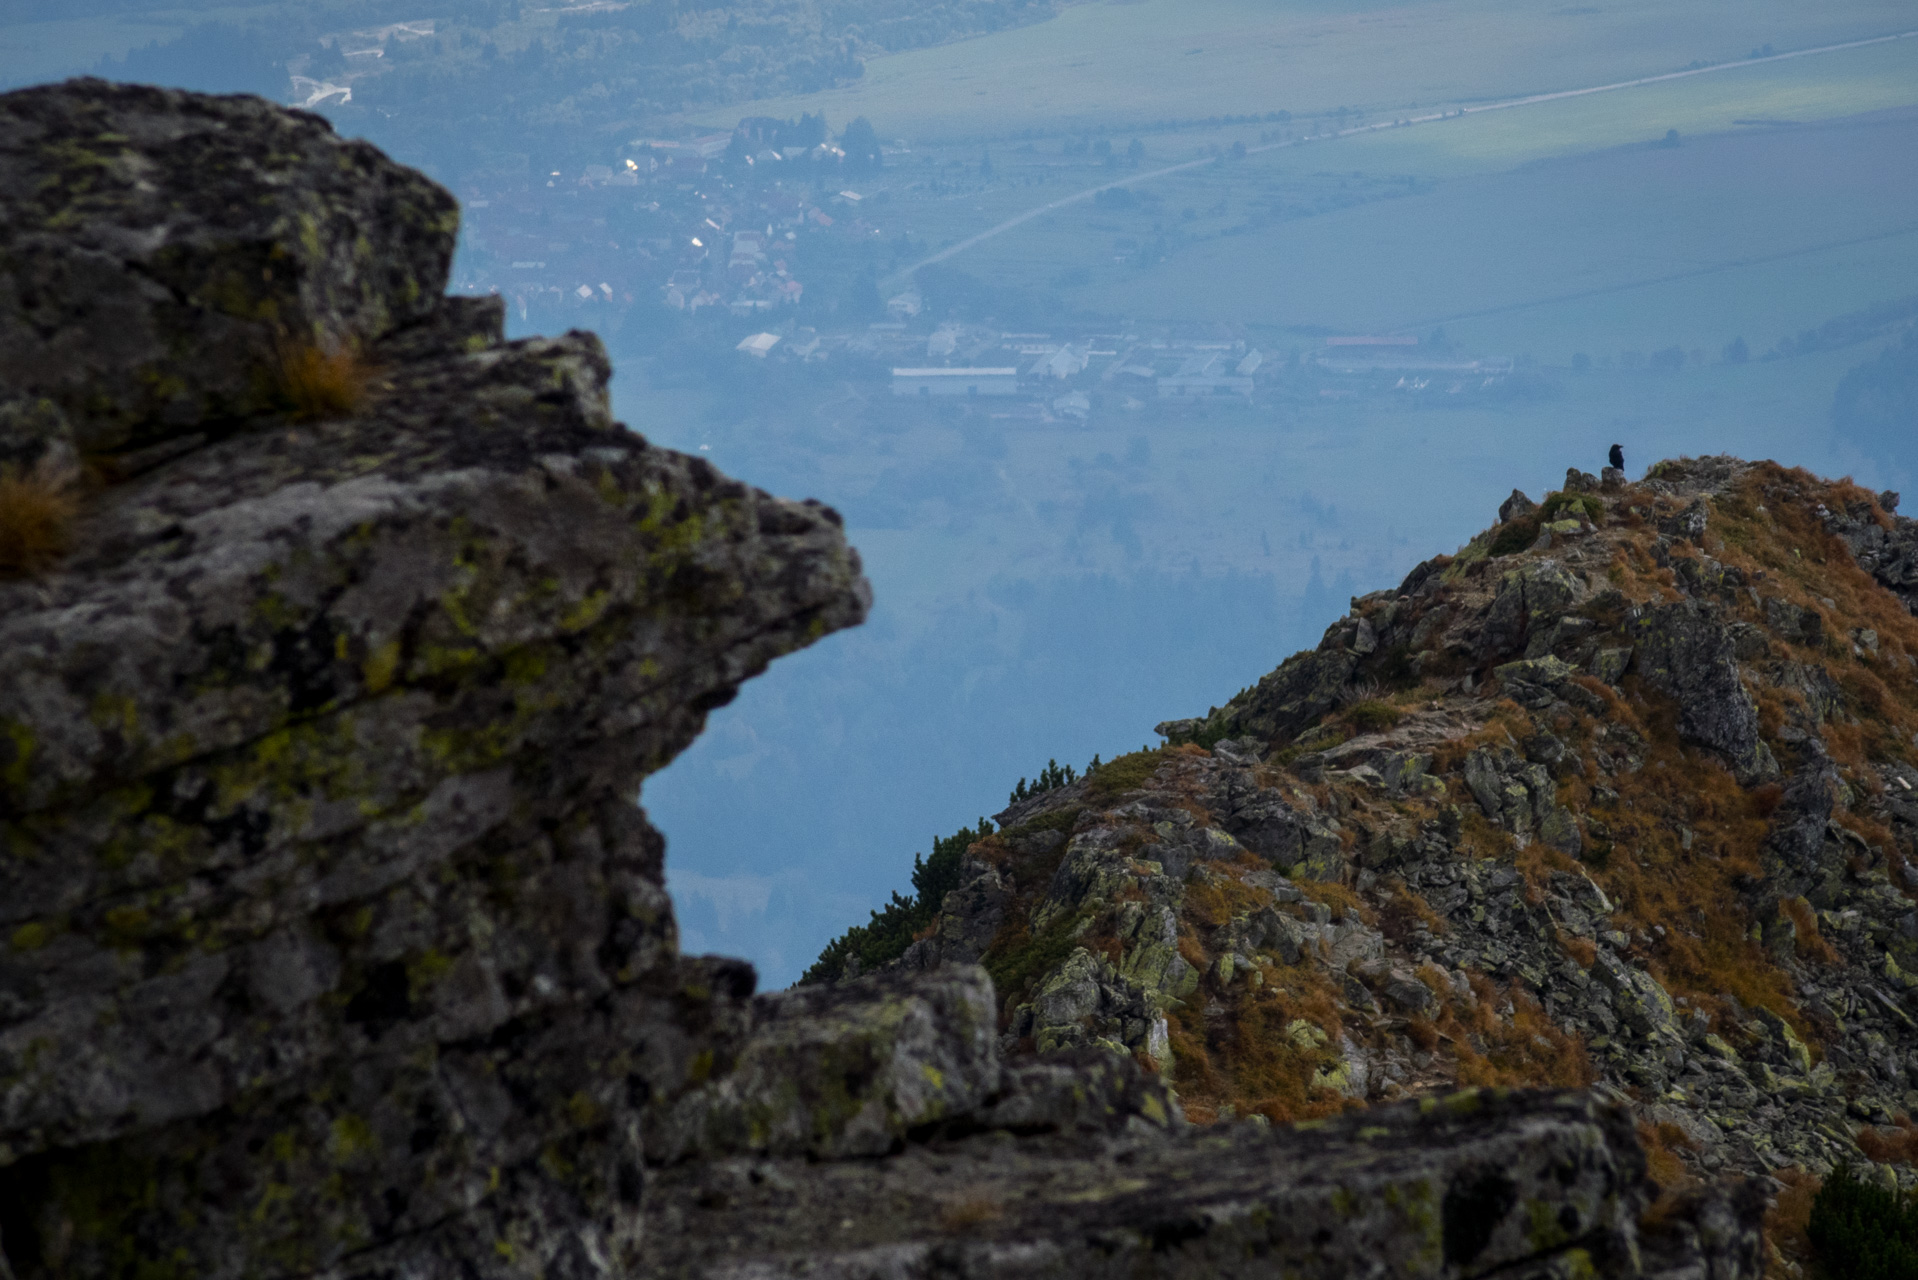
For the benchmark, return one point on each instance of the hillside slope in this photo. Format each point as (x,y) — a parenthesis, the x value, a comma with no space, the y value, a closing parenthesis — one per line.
(1622,793)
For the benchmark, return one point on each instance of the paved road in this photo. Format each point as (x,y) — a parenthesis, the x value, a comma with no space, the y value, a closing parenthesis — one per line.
(1434,117)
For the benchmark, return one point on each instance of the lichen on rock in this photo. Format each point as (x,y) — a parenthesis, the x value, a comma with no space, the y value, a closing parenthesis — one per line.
(330,916)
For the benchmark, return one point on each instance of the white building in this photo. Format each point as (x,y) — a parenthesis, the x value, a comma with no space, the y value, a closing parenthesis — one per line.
(1067,362)
(955,382)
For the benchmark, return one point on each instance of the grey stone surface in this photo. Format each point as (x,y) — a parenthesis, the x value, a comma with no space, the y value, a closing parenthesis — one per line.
(1516,507)
(333,940)
(1686,650)
(842,1070)
(159,250)
(1537,1185)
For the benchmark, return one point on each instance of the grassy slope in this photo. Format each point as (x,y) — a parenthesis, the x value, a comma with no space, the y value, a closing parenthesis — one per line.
(1098,63)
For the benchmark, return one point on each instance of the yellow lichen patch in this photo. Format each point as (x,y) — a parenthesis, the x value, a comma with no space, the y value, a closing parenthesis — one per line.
(31,936)
(381,665)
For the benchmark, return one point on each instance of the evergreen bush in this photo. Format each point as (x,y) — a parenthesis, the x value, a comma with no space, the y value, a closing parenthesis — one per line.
(1050,778)
(1860,1231)
(893,927)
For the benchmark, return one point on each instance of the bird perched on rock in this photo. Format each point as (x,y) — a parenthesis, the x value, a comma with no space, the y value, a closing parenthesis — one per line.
(1618,456)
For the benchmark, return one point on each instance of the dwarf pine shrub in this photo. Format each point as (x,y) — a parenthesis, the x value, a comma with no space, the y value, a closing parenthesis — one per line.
(894,926)
(1050,778)
(1860,1231)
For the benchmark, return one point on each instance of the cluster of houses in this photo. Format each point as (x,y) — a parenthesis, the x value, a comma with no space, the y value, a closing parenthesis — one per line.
(1395,363)
(1036,365)
(663,223)
(1062,377)
(1032,375)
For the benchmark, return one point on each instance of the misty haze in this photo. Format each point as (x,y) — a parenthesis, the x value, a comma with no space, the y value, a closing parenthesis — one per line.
(1136,343)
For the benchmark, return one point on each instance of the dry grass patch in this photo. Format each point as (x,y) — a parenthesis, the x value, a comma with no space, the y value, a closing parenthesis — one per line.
(316,382)
(1697,895)
(1789,1216)
(965,1212)
(1524,1049)
(1250,1059)
(1342,899)
(37,509)
(1809,943)
(1662,1143)
(1897,1143)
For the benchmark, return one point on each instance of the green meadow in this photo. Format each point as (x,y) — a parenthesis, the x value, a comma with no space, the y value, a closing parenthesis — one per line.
(1103,64)
(1566,227)
(1757,234)
(34,51)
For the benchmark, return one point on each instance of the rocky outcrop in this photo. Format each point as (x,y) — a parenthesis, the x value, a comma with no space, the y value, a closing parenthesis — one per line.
(834,1072)
(160,252)
(1687,653)
(1623,801)
(1471,1184)
(1884,543)
(332,930)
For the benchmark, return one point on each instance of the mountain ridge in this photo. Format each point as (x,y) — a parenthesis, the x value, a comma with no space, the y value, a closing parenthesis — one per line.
(1620,794)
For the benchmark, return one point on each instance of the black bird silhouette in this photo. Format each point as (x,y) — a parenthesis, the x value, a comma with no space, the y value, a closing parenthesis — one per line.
(1618,456)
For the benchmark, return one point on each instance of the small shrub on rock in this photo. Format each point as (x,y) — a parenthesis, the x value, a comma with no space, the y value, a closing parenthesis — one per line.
(37,507)
(317,383)
(1514,536)
(1372,716)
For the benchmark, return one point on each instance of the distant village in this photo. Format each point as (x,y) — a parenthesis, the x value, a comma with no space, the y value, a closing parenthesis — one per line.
(1054,377)
(713,225)
(663,225)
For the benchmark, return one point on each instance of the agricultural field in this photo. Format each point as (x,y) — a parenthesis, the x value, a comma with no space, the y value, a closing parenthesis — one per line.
(1752,234)
(1128,64)
(1585,236)
(56,48)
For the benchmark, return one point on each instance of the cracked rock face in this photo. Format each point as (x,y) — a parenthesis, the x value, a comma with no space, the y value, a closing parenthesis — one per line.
(330,925)
(158,249)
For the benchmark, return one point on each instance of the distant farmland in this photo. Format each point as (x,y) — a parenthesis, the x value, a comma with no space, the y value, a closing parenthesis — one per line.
(1100,65)
(1754,234)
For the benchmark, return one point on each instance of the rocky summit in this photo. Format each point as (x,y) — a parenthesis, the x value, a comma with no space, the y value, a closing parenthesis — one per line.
(1622,796)
(333,944)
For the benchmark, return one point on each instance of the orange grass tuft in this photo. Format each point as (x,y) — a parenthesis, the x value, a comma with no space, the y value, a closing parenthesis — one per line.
(37,508)
(316,383)
(1662,1143)
(1525,1049)
(1787,1220)
(1897,1143)
(1810,944)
